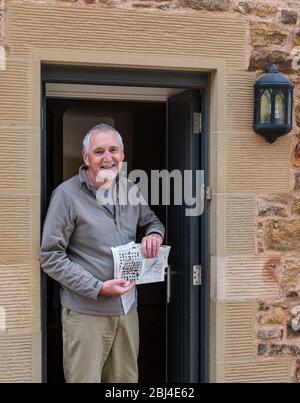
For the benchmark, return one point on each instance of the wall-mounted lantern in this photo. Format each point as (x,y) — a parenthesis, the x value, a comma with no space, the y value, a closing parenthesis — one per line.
(296,157)
(273,105)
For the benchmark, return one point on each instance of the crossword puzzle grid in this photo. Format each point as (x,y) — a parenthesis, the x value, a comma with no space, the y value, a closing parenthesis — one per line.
(130,263)
(131,270)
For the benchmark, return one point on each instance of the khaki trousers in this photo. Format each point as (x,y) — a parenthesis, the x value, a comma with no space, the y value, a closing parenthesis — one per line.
(100,348)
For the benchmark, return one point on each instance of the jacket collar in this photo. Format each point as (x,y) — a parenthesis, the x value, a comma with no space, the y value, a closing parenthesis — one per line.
(83,177)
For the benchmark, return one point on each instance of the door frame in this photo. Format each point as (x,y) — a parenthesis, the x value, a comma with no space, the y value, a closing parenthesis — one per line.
(138,78)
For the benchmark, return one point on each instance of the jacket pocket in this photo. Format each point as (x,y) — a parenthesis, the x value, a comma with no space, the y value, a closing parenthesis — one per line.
(68,313)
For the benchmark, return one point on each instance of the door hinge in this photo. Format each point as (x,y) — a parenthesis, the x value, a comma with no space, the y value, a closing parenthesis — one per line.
(208,192)
(197,123)
(197,280)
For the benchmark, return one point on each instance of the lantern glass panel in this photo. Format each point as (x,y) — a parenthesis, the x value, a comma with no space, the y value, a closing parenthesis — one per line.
(265,107)
(279,117)
(289,108)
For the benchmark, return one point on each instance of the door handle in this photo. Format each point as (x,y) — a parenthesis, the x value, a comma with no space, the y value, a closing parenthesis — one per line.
(168,274)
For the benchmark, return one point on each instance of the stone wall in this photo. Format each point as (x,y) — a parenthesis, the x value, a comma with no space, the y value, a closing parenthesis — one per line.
(278,238)
(274,27)
(273,37)
(273,33)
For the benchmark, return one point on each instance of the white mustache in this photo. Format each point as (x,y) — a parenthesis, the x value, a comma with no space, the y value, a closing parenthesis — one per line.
(107,166)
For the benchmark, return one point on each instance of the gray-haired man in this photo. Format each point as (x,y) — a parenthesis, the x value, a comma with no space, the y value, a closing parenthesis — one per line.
(100,342)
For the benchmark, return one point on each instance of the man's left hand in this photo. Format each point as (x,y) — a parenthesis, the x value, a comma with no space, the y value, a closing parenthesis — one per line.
(151,245)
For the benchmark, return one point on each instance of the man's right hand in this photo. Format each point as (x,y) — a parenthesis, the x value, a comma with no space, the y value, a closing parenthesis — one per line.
(116,287)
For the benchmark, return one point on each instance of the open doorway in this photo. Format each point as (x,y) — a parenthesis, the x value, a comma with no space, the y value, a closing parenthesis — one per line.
(166,114)
(143,128)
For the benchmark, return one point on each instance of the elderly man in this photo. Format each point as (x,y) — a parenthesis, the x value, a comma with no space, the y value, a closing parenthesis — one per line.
(100,342)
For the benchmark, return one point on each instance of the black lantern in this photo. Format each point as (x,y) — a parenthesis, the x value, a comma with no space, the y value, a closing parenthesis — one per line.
(273,105)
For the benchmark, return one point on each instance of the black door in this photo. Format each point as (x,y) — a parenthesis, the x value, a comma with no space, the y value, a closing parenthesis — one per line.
(147,131)
(183,311)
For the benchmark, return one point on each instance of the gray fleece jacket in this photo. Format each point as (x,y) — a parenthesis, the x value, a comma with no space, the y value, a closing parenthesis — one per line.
(77,236)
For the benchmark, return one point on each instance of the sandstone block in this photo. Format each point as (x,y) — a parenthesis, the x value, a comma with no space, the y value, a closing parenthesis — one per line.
(275,317)
(265,10)
(296,206)
(243,7)
(262,59)
(297,180)
(262,349)
(289,17)
(209,5)
(273,333)
(282,235)
(297,111)
(282,198)
(265,33)
(265,210)
(277,349)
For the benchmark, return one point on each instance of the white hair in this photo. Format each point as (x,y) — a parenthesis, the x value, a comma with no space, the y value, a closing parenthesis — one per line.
(102,127)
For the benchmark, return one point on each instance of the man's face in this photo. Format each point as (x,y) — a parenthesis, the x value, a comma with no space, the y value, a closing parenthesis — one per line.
(104,158)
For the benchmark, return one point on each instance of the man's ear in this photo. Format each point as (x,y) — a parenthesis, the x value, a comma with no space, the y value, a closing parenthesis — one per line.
(85,157)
